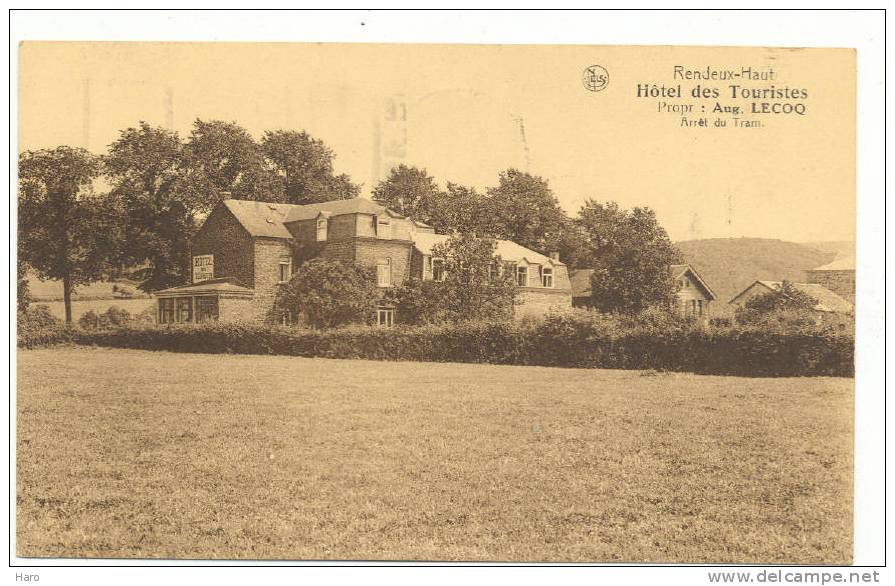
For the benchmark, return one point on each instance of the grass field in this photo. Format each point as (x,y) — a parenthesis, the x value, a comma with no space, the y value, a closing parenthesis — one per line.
(151,454)
(79,308)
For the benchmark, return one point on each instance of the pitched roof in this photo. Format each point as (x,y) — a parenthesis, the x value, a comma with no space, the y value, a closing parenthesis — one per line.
(678,271)
(506,249)
(357,205)
(580,280)
(840,264)
(264,219)
(211,286)
(261,218)
(827,301)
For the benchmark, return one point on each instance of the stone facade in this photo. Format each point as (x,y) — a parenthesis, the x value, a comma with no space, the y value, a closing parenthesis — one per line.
(538,301)
(232,246)
(269,253)
(396,253)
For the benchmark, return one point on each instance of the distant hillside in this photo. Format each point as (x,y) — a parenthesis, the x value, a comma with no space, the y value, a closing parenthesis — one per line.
(729,265)
(842,248)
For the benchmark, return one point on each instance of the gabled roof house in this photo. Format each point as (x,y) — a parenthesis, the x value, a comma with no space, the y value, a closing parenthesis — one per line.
(694,296)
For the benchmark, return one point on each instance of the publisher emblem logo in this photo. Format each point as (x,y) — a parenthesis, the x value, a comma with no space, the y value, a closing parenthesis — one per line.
(595,78)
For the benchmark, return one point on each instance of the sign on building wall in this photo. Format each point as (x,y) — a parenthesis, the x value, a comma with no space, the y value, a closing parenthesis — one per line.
(203,267)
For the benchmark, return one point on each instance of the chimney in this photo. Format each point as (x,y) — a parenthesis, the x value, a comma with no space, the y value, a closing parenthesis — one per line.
(554,256)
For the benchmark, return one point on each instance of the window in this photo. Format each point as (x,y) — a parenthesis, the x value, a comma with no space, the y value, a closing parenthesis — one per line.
(383,228)
(385,317)
(427,267)
(522,276)
(206,309)
(384,272)
(166,311)
(438,272)
(321,229)
(286,318)
(184,310)
(547,277)
(284,271)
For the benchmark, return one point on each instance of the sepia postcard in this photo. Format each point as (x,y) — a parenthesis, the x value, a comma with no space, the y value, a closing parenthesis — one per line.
(408,302)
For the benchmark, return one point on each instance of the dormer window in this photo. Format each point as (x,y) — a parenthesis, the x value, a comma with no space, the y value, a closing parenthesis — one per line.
(383,228)
(321,229)
(547,277)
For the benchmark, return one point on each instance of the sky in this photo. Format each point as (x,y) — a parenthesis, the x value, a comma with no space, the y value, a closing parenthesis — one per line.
(466,112)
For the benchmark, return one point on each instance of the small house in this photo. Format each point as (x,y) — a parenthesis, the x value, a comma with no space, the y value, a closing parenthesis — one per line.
(826,300)
(693,297)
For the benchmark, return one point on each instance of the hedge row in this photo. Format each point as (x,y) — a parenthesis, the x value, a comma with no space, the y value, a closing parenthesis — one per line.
(556,341)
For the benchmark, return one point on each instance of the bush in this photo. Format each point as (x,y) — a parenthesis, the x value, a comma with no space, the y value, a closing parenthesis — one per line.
(37,327)
(145,317)
(117,316)
(114,317)
(580,340)
(38,316)
(329,293)
(90,320)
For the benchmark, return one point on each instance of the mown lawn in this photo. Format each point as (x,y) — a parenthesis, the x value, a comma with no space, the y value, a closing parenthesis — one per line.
(153,454)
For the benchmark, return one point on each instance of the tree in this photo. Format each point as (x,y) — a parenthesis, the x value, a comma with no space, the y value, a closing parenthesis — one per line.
(523,208)
(330,293)
(23,292)
(408,191)
(458,208)
(157,197)
(630,254)
(787,299)
(418,302)
(304,166)
(66,231)
(475,286)
(225,161)
(570,241)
